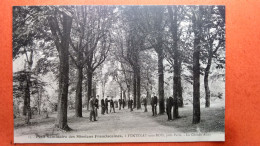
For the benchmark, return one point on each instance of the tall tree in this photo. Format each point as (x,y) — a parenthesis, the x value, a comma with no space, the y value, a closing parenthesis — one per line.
(127,79)
(175,55)
(58,21)
(78,32)
(25,79)
(91,41)
(27,97)
(154,26)
(84,28)
(197,29)
(134,44)
(60,30)
(27,35)
(213,40)
(148,70)
(120,55)
(95,61)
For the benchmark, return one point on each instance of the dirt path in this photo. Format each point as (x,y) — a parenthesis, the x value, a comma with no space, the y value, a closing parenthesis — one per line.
(121,122)
(125,122)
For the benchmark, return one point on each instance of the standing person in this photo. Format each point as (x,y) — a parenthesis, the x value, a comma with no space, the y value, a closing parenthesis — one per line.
(106,105)
(92,109)
(120,103)
(152,104)
(128,103)
(96,106)
(169,109)
(123,103)
(131,104)
(112,106)
(145,104)
(103,106)
(155,105)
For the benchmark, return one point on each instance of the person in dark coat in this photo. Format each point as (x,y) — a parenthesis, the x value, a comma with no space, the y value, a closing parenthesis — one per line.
(152,104)
(96,106)
(103,106)
(169,108)
(123,102)
(92,109)
(106,105)
(155,100)
(145,104)
(112,106)
(128,103)
(120,103)
(131,104)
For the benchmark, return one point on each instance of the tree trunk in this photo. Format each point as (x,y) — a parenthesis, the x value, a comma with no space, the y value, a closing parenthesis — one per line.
(177,89)
(121,93)
(196,68)
(124,95)
(25,103)
(134,88)
(176,82)
(128,94)
(175,97)
(176,59)
(85,82)
(63,88)
(103,91)
(138,86)
(180,98)
(78,97)
(89,76)
(39,100)
(151,91)
(27,88)
(196,83)
(94,92)
(63,49)
(27,98)
(161,81)
(148,94)
(206,82)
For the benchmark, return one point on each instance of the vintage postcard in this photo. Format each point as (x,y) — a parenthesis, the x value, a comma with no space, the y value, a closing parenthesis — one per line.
(100,74)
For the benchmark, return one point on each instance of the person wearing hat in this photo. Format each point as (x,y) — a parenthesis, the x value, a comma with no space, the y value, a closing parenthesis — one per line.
(92,109)
(106,105)
(112,106)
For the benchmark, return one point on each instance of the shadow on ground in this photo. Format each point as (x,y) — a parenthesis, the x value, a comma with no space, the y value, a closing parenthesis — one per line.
(212,119)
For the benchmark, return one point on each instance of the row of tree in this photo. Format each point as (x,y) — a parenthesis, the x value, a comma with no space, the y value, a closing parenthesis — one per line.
(183,35)
(85,36)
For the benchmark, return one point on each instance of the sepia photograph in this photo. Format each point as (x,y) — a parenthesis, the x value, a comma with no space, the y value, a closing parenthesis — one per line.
(118,73)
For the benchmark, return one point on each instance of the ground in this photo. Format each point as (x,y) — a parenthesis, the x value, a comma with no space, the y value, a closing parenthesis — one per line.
(124,121)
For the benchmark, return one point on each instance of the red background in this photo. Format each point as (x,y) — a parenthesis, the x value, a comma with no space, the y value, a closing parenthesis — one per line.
(242,121)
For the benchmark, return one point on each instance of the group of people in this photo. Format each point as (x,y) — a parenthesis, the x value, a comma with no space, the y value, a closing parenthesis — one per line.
(169,105)
(94,105)
(122,103)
